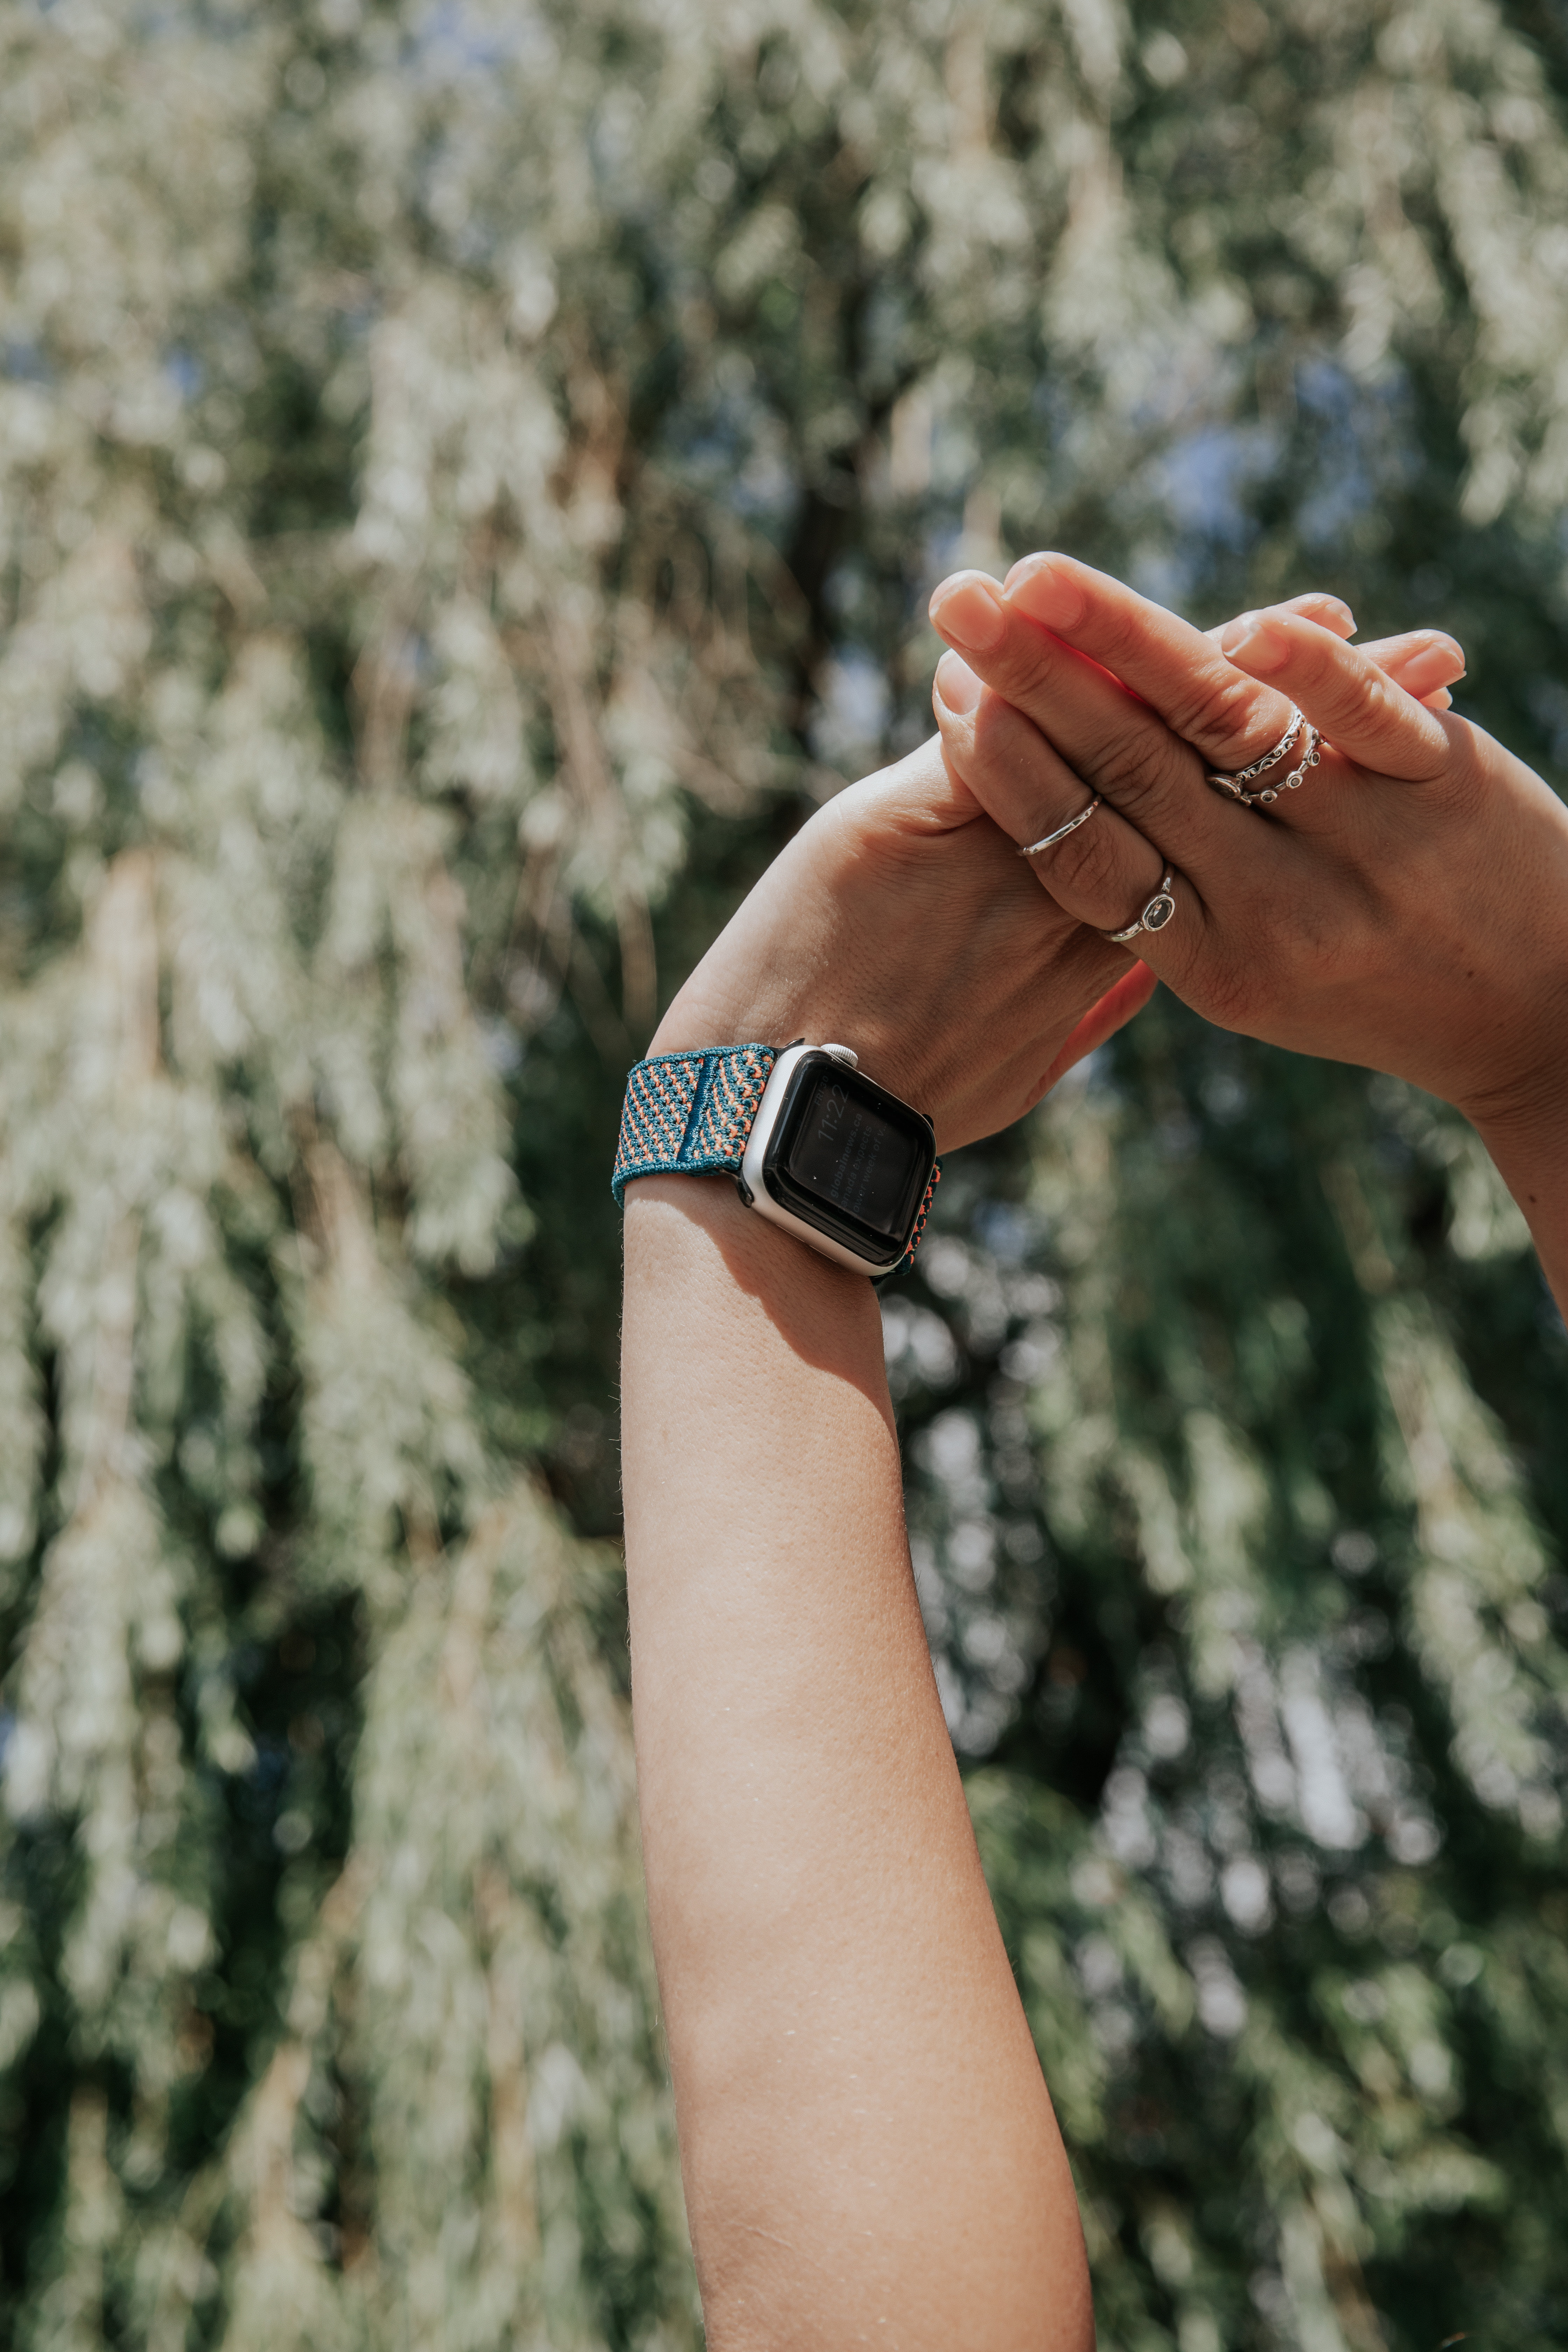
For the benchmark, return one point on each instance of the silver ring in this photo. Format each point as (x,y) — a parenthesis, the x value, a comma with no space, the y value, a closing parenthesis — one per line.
(1287,742)
(1062,831)
(1312,756)
(1154,916)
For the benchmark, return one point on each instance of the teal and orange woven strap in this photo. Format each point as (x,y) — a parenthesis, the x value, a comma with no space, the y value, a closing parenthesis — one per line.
(687,1112)
(908,1258)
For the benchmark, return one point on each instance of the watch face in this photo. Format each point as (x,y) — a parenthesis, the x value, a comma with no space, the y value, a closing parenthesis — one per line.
(849,1158)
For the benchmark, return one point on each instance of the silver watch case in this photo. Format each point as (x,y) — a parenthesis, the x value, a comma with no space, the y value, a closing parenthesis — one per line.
(751,1184)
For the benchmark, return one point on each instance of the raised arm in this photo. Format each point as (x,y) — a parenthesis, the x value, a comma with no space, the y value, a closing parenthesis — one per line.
(869,2152)
(1402,903)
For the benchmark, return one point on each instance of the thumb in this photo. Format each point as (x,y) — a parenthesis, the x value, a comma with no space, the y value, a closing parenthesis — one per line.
(1115,1009)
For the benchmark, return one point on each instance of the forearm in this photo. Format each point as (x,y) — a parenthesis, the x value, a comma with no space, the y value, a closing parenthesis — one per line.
(869,2150)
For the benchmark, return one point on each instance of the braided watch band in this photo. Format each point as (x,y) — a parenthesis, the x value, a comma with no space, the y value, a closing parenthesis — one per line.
(686,1113)
(908,1258)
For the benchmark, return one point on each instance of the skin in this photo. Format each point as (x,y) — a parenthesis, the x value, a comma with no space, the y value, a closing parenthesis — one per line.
(869,2150)
(1406,907)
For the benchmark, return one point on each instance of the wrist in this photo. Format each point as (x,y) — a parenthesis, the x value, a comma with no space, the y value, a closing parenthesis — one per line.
(702,1016)
(813,1144)
(1529,1146)
(1522,1119)
(1527,1139)
(823,1307)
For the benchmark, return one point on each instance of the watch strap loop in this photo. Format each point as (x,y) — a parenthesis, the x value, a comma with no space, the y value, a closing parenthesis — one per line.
(908,1258)
(686,1113)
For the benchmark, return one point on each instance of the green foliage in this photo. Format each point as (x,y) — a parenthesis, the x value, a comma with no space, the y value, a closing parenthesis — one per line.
(468,478)
(1317,1923)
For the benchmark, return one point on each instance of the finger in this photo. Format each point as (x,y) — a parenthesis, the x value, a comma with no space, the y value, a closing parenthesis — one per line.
(1423,661)
(1107,736)
(1315,605)
(1344,694)
(1420,661)
(1115,1010)
(1102,872)
(1158,655)
(1171,665)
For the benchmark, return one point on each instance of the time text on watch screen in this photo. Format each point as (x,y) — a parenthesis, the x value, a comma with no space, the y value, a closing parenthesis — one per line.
(852,1158)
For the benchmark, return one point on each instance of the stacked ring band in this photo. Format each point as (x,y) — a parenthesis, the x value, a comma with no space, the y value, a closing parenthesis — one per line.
(1236,784)
(1154,916)
(1062,831)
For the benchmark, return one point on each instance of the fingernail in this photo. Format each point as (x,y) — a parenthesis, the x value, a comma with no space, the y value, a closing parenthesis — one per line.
(955,686)
(1251,645)
(1433,666)
(965,609)
(1038,585)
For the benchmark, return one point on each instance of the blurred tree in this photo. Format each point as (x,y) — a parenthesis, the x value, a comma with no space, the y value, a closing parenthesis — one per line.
(468,478)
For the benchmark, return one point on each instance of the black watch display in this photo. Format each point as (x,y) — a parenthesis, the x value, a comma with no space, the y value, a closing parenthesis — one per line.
(838,1159)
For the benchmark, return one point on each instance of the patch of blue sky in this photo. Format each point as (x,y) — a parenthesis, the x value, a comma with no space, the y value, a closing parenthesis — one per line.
(1363,446)
(613,143)
(852,711)
(454,41)
(731,446)
(185,371)
(24,363)
(1052,406)
(1202,481)
(713,439)
(1166,575)
(956,453)
(765,490)
(1006,1232)
(942,551)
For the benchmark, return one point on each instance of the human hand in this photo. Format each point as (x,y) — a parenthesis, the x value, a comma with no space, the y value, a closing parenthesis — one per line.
(900,922)
(1407,908)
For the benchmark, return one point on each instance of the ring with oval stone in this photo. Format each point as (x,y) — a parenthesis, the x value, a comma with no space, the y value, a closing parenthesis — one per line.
(1156,914)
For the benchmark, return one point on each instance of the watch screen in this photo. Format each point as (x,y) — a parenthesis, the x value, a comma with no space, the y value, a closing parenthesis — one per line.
(855,1153)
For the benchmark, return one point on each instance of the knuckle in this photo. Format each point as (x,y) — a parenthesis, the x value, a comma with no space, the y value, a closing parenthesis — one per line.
(1121,765)
(1233,713)
(1374,696)
(1231,719)
(1234,997)
(1016,664)
(1119,638)
(992,768)
(1088,864)
(991,722)
(1462,776)
(1136,766)
(1381,711)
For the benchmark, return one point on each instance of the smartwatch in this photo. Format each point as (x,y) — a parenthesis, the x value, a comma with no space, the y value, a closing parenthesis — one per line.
(813,1144)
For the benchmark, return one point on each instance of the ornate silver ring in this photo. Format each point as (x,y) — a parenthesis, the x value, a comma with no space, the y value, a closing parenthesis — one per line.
(1062,831)
(1235,785)
(1154,916)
